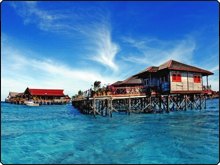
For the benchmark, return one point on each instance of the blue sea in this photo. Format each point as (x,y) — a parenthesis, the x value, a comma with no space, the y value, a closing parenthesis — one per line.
(60,134)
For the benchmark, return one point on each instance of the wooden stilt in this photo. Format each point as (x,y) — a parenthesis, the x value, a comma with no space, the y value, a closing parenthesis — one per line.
(129,106)
(200,102)
(104,106)
(168,104)
(160,104)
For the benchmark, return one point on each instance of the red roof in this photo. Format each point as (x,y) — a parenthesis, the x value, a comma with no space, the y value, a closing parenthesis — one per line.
(132,80)
(129,81)
(45,92)
(152,69)
(175,65)
(116,83)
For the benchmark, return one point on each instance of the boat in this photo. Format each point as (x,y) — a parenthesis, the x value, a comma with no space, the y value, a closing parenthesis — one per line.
(31,103)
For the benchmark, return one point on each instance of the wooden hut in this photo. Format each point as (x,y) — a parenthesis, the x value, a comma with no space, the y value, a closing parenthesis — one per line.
(129,82)
(174,77)
(131,85)
(11,96)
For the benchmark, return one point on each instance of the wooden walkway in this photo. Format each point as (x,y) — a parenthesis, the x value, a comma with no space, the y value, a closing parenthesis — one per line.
(106,105)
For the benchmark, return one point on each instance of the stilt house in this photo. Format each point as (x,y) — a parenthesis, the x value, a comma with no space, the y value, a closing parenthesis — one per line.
(174,77)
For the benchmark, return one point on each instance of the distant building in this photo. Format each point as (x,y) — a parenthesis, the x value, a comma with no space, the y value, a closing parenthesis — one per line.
(11,96)
(41,96)
(56,95)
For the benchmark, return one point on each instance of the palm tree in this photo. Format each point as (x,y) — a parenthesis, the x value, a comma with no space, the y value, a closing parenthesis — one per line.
(80,92)
(97,85)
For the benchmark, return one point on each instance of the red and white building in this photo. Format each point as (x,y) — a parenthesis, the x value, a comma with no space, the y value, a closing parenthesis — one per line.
(175,77)
(54,95)
(41,96)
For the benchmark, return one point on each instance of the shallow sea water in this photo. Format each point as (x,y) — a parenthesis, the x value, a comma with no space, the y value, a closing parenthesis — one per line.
(60,134)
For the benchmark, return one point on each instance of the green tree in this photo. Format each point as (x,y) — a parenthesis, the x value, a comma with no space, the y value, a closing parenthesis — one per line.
(80,92)
(97,85)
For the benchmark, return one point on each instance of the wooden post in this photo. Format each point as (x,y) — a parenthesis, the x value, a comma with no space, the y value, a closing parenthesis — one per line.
(102,107)
(129,105)
(185,97)
(94,107)
(150,104)
(192,101)
(187,81)
(200,102)
(160,109)
(207,81)
(110,100)
(168,103)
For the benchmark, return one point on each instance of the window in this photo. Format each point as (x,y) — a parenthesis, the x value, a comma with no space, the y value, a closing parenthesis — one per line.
(197,79)
(176,77)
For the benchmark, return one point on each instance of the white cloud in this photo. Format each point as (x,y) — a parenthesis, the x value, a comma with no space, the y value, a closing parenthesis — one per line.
(94,28)
(45,20)
(216,68)
(105,50)
(44,73)
(214,82)
(155,52)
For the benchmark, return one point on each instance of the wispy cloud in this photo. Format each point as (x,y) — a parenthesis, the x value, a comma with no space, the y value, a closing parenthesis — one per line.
(154,51)
(95,28)
(106,50)
(214,69)
(45,20)
(20,71)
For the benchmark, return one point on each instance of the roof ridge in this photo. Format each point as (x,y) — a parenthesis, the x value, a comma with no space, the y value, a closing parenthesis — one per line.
(170,62)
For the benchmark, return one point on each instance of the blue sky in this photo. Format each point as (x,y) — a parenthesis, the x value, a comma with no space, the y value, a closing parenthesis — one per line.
(69,45)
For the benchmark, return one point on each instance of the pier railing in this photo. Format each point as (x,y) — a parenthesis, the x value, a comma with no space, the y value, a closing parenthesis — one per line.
(136,90)
(114,91)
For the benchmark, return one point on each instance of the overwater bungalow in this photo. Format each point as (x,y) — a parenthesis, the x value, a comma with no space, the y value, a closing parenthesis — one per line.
(174,77)
(169,86)
(131,85)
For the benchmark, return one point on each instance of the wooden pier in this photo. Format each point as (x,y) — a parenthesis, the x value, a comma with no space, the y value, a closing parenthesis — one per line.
(106,105)
(168,87)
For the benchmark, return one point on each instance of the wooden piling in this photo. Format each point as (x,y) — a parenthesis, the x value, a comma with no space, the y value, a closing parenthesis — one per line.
(105,106)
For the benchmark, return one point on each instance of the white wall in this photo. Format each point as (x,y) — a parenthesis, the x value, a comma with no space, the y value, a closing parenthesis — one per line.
(182,86)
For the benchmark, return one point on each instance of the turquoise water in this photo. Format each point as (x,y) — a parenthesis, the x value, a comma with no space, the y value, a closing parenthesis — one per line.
(60,134)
